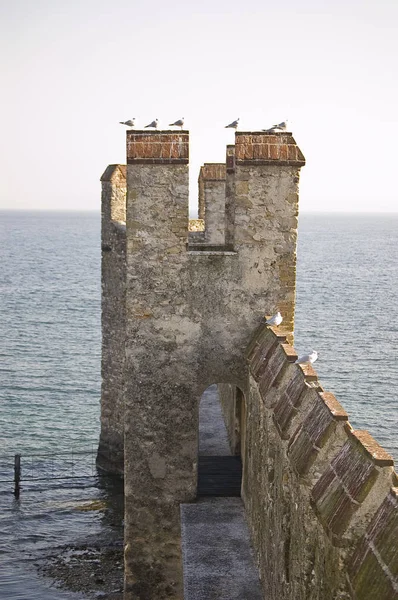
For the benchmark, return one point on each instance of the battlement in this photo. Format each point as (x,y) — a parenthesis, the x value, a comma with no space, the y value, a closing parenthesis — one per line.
(211,203)
(338,511)
(178,310)
(267,149)
(157,147)
(184,309)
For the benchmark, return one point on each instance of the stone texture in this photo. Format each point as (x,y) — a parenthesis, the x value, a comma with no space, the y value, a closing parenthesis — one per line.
(320,424)
(311,487)
(157,147)
(347,493)
(213,438)
(267,148)
(211,184)
(373,570)
(189,319)
(177,318)
(196,225)
(113,216)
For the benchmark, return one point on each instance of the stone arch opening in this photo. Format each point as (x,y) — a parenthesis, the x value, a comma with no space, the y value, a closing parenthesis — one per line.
(221,440)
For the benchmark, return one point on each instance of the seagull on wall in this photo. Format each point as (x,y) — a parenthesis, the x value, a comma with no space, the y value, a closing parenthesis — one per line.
(279,127)
(154,124)
(179,123)
(276,319)
(233,125)
(129,123)
(307,359)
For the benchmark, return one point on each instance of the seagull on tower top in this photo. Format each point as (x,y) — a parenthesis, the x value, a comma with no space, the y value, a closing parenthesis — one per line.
(276,319)
(233,125)
(154,124)
(280,126)
(179,123)
(307,359)
(129,123)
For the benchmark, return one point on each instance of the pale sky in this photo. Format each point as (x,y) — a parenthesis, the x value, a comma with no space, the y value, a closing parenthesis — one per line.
(70,71)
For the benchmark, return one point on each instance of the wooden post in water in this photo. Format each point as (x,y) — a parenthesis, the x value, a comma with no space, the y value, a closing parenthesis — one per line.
(17,474)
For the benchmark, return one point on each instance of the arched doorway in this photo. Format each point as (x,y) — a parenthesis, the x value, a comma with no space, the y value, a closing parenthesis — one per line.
(222,424)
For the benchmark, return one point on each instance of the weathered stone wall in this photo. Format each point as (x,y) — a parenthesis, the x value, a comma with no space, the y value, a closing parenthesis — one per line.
(177,316)
(319,497)
(189,317)
(228,400)
(212,202)
(113,216)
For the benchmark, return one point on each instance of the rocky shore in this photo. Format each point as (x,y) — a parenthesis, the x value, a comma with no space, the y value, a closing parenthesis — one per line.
(94,570)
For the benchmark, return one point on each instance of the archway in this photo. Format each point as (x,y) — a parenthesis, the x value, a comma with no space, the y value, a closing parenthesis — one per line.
(222,423)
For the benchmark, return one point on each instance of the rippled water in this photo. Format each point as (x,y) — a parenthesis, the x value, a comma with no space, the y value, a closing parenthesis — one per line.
(49,390)
(347,309)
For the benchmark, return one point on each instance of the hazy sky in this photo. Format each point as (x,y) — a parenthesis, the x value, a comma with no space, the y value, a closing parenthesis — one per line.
(72,70)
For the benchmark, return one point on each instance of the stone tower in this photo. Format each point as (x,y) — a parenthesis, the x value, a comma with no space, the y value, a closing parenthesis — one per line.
(185,311)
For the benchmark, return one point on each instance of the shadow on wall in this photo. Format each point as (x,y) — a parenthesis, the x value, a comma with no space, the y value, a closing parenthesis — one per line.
(221,437)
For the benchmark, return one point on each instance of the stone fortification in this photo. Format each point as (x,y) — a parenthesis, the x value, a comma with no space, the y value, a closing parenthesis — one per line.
(321,498)
(113,265)
(179,310)
(211,186)
(190,310)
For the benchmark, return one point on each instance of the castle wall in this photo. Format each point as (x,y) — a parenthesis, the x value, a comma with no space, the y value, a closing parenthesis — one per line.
(113,216)
(212,202)
(228,400)
(178,314)
(319,496)
(189,316)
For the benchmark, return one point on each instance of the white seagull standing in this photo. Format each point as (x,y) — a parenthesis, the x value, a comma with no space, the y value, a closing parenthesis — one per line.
(281,126)
(275,319)
(154,124)
(179,123)
(233,125)
(129,123)
(307,359)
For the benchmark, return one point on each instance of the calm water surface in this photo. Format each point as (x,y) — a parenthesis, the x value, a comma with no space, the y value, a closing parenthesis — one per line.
(347,309)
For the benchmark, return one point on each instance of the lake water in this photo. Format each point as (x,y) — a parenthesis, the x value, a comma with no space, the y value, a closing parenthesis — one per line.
(347,309)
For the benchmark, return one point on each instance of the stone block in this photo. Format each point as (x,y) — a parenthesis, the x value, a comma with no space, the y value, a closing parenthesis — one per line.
(373,569)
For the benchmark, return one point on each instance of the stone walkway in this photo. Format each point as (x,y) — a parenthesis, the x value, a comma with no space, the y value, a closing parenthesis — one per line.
(213,438)
(218,559)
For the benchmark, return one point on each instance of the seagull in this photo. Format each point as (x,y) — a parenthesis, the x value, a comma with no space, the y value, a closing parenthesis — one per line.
(275,319)
(233,125)
(129,123)
(282,126)
(307,359)
(179,123)
(154,124)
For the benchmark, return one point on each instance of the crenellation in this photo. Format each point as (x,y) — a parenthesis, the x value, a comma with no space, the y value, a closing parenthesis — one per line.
(315,432)
(267,148)
(312,483)
(211,185)
(184,306)
(373,568)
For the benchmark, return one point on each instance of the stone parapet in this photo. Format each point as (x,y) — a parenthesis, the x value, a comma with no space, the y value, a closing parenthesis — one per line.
(373,572)
(157,147)
(267,149)
(230,197)
(212,172)
(334,485)
(211,186)
(187,309)
(256,207)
